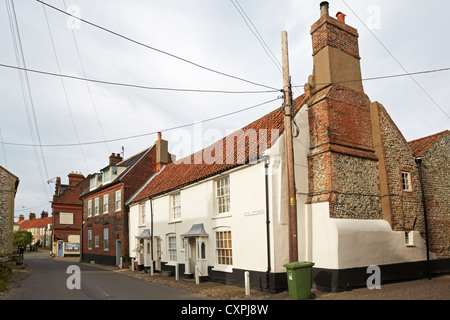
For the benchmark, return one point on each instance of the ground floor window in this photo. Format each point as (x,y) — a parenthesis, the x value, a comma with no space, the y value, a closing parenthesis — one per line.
(224,251)
(172,240)
(89,239)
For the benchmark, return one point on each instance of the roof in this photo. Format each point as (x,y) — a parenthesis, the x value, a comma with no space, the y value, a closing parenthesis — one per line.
(190,169)
(420,146)
(128,163)
(35,223)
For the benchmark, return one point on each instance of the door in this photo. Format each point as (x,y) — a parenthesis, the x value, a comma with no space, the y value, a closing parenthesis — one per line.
(118,251)
(60,248)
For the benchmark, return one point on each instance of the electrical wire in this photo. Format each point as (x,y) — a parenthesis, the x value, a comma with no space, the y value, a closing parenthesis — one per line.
(136,85)
(143,134)
(155,49)
(398,62)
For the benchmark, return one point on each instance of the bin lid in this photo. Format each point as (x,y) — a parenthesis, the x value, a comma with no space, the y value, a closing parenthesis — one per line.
(298,265)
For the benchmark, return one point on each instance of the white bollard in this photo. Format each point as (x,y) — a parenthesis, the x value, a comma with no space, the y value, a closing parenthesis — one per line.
(197,276)
(247,283)
(132,264)
(176,271)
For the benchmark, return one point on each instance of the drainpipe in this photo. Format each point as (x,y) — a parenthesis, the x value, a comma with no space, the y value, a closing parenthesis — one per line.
(419,165)
(151,232)
(266,173)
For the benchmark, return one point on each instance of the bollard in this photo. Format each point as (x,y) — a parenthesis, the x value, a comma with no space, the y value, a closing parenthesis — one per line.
(247,283)
(176,271)
(132,264)
(197,276)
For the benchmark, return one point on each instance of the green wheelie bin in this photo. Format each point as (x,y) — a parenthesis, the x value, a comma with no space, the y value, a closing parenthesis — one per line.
(299,279)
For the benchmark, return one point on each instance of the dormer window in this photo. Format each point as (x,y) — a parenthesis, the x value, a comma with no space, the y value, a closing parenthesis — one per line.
(106,176)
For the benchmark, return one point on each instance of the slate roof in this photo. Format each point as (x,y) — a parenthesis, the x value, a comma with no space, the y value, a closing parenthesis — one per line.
(189,170)
(420,146)
(128,163)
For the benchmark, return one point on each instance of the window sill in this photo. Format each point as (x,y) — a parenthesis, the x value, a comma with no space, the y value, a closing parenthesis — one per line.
(222,215)
(175,221)
(228,269)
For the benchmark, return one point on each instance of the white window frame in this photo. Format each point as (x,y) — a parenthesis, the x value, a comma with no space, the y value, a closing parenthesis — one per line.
(118,200)
(223,250)
(175,202)
(406,180)
(172,248)
(97,241)
(105,203)
(97,206)
(105,239)
(89,213)
(222,195)
(142,213)
(89,238)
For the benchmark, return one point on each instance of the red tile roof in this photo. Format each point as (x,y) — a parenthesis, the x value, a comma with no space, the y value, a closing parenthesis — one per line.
(190,169)
(420,146)
(35,223)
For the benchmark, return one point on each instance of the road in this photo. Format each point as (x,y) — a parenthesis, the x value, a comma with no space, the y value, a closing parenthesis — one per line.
(49,278)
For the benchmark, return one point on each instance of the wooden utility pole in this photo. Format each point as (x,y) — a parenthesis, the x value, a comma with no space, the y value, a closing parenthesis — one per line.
(292,202)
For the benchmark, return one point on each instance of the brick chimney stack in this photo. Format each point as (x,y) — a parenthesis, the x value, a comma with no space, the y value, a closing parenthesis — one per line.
(21,217)
(162,153)
(75,178)
(32,216)
(44,214)
(114,159)
(335,52)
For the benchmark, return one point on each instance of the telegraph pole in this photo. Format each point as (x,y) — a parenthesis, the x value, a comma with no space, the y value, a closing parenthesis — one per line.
(292,203)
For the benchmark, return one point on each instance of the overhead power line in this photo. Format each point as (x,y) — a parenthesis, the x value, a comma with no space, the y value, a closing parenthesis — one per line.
(398,62)
(135,85)
(140,135)
(383,77)
(156,49)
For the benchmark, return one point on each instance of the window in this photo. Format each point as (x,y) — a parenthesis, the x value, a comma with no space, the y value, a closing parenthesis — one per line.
(172,241)
(89,239)
(97,241)
(97,208)
(224,248)
(114,170)
(105,203)
(142,213)
(118,200)
(223,195)
(176,206)
(105,240)
(406,181)
(89,208)
(106,176)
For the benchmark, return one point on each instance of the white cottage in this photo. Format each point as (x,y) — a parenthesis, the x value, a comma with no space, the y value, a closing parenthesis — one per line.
(218,212)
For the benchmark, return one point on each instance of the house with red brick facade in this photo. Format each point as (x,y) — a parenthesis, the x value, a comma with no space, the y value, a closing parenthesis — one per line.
(224,210)
(40,228)
(105,215)
(67,213)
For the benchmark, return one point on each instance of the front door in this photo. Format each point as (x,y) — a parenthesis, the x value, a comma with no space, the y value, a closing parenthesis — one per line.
(118,251)
(195,248)
(60,248)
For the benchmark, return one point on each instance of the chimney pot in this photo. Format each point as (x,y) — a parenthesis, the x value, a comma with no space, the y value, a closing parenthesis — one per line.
(324,5)
(341,16)
(159,135)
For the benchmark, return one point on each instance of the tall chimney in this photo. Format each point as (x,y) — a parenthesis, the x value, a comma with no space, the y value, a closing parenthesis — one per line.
(335,52)
(114,159)
(75,178)
(31,216)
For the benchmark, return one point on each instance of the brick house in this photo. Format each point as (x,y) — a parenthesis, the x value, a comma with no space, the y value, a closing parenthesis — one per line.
(105,215)
(359,199)
(8,189)
(67,213)
(40,228)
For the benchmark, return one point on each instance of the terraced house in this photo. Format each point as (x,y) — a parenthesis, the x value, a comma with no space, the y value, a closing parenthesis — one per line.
(224,210)
(105,215)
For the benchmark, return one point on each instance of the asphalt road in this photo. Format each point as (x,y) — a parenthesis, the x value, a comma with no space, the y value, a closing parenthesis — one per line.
(50,279)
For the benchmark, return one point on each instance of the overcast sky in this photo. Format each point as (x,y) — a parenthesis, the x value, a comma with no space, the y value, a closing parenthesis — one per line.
(210,33)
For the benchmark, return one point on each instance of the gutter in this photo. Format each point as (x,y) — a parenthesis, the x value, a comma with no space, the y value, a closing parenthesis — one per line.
(419,165)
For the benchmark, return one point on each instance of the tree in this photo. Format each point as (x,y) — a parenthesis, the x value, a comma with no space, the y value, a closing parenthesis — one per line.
(22,237)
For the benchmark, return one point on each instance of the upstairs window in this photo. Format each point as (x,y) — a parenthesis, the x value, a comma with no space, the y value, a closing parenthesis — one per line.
(97,208)
(105,203)
(223,195)
(89,214)
(406,181)
(176,206)
(142,213)
(118,200)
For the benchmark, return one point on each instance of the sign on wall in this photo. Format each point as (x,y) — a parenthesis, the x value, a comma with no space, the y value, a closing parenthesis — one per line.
(65,218)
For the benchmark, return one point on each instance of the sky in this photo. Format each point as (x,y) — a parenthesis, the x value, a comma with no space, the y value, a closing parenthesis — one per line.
(51,126)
